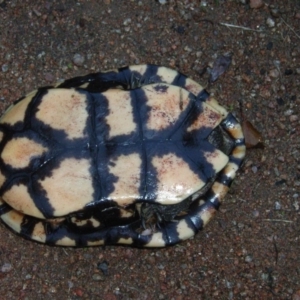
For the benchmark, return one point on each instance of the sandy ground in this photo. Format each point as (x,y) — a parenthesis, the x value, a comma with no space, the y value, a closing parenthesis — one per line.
(251,250)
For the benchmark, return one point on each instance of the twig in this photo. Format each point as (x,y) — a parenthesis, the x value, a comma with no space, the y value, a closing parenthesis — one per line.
(240,27)
(290,27)
(277,220)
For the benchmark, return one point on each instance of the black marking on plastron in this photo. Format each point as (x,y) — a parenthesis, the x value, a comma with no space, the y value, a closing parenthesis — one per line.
(138,99)
(101,133)
(40,199)
(161,88)
(32,107)
(185,120)
(197,155)
(4,208)
(92,146)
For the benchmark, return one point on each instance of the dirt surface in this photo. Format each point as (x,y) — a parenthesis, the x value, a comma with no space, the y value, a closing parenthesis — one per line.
(251,250)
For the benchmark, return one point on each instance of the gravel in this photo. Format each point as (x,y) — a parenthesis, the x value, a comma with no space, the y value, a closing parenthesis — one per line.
(251,249)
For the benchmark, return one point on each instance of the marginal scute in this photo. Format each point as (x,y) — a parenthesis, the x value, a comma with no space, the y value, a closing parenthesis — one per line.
(16,112)
(167,75)
(215,104)
(64,109)
(184,231)
(19,198)
(66,241)
(13,219)
(206,214)
(176,181)
(73,183)
(231,169)
(19,152)
(239,151)
(165,104)
(39,233)
(220,190)
(237,132)
(156,240)
(120,118)
(125,241)
(127,168)
(141,69)
(193,87)
(96,243)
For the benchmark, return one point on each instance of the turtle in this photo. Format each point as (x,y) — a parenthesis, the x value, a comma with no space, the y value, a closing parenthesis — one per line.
(141,155)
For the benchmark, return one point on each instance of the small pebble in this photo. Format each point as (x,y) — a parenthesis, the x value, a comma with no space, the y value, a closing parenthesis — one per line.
(70,284)
(254,169)
(270,22)
(98,277)
(294,118)
(288,72)
(52,290)
(275,13)
(78,59)
(296,295)
(6,268)
(103,266)
(4,68)
(248,258)
(288,112)
(49,77)
(256,3)
(277,205)
(274,73)
(280,158)
(162,1)
(127,21)
(276,172)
